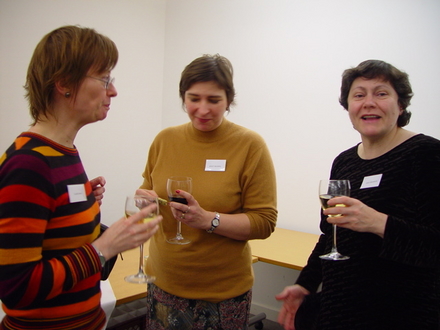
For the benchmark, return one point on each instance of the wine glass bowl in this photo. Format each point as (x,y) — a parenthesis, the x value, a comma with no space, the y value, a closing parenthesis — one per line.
(329,189)
(132,205)
(174,184)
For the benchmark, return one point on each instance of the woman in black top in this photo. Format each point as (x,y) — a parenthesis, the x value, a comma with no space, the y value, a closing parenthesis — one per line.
(390,226)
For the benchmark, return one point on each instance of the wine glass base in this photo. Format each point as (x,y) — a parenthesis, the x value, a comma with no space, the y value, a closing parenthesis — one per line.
(140,278)
(178,240)
(334,256)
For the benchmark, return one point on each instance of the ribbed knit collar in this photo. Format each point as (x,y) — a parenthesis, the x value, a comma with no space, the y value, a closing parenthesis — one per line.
(208,137)
(53,144)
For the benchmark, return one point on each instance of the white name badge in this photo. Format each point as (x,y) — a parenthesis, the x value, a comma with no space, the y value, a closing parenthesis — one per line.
(371,181)
(215,165)
(77,193)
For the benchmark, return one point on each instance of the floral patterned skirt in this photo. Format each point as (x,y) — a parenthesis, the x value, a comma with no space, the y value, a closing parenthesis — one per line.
(166,311)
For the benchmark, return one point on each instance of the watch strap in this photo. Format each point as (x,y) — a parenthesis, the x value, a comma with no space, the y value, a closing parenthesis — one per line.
(101,256)
(214,223)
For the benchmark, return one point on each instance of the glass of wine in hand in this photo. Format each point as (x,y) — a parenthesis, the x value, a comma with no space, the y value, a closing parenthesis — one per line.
(327,190)
(174,184)
(132,205)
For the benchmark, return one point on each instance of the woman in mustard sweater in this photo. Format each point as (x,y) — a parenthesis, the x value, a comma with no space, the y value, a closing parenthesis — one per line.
(207,283)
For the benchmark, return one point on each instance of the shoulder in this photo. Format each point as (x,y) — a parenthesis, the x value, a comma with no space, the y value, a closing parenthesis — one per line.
(241,132)
(424,141)
(349,153)
(169,131)
(418,146)
(423,148)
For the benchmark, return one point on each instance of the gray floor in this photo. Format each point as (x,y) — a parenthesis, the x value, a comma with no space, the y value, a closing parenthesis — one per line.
(268,325)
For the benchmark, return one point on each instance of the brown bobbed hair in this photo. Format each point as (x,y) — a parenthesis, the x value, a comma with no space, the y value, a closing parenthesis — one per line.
(65,55)
(209,68)
(376,69)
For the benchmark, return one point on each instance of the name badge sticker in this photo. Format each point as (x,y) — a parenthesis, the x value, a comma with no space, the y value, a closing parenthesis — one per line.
(215,165)
(371,181)
(77,193)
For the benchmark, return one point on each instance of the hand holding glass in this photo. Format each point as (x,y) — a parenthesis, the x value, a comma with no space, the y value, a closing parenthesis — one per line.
(132,205)
(173,184)
(329,189)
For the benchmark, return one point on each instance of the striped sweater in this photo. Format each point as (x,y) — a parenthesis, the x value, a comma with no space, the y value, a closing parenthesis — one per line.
(49,272)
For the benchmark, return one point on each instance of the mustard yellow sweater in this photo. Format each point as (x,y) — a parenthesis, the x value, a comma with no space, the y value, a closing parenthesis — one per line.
(211,267)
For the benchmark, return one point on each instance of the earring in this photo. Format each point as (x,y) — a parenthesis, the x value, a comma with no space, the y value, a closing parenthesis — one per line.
(67,95)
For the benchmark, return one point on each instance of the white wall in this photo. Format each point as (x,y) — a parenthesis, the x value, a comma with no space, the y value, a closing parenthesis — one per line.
(288,57)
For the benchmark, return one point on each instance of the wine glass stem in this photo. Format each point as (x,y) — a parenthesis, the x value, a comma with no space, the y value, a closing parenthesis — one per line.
(334,237)
(179,229)
(141,259)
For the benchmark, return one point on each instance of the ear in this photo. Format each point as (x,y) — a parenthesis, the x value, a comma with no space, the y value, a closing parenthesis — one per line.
(401,109)
(61,89)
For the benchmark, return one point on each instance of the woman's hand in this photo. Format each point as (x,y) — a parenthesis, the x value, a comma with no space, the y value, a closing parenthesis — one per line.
(355,215)
(145,192)
(191,214)
(127,233)
(235,226)
(292,297)
(98,188)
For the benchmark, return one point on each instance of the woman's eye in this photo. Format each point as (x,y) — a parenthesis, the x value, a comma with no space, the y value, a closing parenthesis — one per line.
(214,101)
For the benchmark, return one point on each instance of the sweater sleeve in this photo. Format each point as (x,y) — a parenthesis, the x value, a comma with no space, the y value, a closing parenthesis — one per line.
(311,275)
(259,192)
(415,239)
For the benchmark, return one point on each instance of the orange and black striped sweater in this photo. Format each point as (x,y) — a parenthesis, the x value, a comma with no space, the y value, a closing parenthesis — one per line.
(49,272)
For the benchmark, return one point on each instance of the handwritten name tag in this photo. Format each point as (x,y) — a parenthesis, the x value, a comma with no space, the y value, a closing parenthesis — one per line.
(77,193)
(215,165)
(371,181)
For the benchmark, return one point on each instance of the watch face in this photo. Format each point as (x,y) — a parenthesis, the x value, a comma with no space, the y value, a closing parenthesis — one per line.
(215,222)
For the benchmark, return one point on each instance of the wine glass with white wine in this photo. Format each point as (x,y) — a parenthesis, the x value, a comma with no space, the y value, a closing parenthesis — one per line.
(174,184)
(132,205)
(327,190)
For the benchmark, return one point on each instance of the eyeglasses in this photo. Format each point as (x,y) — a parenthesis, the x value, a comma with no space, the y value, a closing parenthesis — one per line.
(106,82)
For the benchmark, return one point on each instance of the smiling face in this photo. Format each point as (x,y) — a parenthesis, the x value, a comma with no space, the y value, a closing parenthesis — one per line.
(206,104)
(373,108)
(93,100)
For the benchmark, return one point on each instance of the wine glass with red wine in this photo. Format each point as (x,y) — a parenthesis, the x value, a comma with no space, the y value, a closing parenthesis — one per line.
(174,184)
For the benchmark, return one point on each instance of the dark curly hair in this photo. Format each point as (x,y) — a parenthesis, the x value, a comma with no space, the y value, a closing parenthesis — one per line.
(372,69)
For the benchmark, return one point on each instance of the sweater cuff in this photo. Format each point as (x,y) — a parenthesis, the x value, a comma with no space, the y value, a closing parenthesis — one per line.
(84,262)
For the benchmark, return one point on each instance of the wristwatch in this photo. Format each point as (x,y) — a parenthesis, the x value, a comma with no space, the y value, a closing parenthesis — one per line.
(214,223)
(101,256)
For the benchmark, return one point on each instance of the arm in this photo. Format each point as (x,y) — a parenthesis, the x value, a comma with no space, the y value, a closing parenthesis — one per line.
(401,210)
(258,201)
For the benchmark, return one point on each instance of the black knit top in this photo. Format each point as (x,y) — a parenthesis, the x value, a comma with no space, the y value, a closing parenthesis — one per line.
(394,282)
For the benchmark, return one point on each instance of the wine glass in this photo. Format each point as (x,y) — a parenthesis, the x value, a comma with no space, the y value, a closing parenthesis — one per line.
(327,190)
(132,205)
(178,183)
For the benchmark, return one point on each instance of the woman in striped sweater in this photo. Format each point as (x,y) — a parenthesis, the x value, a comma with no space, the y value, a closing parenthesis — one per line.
(50,254)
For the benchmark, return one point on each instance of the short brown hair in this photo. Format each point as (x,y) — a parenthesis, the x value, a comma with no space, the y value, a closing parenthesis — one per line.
(372,69)
(66,54)
(209,68)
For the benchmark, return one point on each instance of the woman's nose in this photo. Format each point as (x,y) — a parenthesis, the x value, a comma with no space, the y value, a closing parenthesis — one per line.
(111,91)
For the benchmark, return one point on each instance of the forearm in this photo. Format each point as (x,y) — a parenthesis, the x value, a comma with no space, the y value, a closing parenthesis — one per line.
(235,226)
